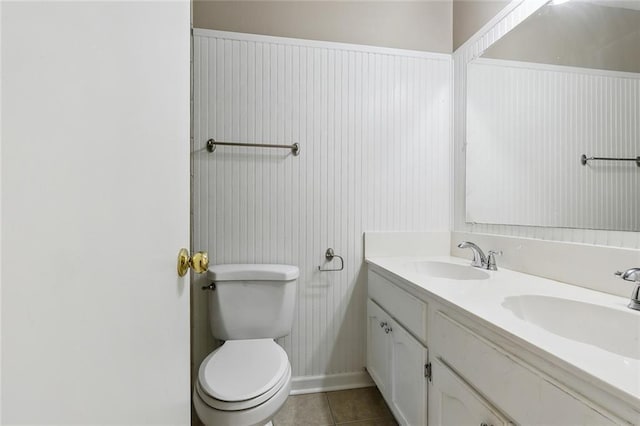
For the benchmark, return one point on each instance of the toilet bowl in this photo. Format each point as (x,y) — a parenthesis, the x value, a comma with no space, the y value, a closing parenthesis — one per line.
(246,381)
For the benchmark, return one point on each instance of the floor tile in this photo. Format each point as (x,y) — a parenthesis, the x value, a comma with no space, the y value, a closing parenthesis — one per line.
(357,404)
(387,421)
(308,410)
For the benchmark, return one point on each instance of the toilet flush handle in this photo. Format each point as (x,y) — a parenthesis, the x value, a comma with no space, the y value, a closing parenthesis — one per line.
(211,287)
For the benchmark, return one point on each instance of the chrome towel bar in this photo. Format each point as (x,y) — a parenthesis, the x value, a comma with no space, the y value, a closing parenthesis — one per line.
(584,159)
(211,146)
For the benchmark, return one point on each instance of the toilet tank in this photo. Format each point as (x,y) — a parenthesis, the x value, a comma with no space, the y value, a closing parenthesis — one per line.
(252,301)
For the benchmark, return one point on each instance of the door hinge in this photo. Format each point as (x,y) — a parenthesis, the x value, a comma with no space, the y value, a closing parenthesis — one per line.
(427,371)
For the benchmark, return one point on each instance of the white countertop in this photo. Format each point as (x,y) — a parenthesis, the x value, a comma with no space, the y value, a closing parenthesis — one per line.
(484,299)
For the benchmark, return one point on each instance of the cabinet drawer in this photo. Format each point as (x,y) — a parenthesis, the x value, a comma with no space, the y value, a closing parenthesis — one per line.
(525,394)
(408,310)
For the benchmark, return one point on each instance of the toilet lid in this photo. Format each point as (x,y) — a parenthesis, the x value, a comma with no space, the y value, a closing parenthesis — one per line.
(243,369)
(249,403)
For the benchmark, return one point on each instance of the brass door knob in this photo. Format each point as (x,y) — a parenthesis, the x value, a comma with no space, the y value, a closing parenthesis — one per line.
(199,262)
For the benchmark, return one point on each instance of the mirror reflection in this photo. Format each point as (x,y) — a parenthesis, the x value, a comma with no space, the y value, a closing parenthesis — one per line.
(559,89)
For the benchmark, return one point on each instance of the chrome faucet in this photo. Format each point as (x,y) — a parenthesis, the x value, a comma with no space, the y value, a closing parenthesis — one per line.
(632,275)
(479,258)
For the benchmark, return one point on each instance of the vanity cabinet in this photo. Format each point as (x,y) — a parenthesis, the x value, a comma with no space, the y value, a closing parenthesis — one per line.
(474,375)
(397,363)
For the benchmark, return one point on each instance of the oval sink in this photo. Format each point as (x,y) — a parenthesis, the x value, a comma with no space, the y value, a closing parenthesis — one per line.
(447,270)
(609,329)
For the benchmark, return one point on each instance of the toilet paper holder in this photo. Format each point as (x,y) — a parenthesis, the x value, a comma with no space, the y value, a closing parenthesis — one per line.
(329,255)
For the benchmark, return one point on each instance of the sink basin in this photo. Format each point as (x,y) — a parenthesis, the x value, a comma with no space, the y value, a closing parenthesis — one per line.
(447,270)
(609,329)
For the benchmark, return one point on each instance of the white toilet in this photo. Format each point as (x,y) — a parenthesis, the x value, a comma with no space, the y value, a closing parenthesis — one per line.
(246,381)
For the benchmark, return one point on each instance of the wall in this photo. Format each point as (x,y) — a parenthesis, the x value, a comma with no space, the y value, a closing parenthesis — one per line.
(577,34)
(527,127)
(373,126)
(514,14)
(471,15)
(417,25)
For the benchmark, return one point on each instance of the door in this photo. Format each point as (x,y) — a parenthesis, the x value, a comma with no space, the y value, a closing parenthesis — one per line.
(95,205)
(454,402)
(408,360)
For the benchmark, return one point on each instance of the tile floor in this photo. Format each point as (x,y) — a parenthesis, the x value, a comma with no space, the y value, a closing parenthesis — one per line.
(353,407)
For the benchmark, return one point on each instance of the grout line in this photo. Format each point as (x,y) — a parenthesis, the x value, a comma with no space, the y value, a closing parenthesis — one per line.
(364,420)
(333,420)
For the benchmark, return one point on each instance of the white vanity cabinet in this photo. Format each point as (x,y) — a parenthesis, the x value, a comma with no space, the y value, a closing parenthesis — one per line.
(479,375)
(396,360)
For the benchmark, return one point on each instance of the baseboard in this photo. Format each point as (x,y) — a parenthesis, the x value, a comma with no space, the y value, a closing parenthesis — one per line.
(331,382)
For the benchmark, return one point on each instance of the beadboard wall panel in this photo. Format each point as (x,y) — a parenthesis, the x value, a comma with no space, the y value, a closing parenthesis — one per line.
(504,22)
(527,126)
(373,126)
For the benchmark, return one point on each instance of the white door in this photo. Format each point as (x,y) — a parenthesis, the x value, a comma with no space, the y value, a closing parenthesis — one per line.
(95,205)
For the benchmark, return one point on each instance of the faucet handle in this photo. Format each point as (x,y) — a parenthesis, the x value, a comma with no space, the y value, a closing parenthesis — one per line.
(491,259)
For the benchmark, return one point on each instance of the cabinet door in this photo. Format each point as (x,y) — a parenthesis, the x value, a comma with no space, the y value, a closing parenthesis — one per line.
(409,395)
(378,347)
(454,403)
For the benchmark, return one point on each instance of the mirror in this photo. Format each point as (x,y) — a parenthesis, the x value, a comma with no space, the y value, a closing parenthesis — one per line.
(560,88)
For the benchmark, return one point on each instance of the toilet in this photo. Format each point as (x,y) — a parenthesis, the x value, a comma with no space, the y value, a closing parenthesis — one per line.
(246,381)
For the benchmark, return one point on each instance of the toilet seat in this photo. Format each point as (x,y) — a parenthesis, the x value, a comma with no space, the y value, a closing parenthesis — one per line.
(256,416)
(242,374)
(242,405)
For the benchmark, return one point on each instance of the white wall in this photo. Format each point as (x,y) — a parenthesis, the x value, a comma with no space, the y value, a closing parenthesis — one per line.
(527,127)
(509,18)
(373,126)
